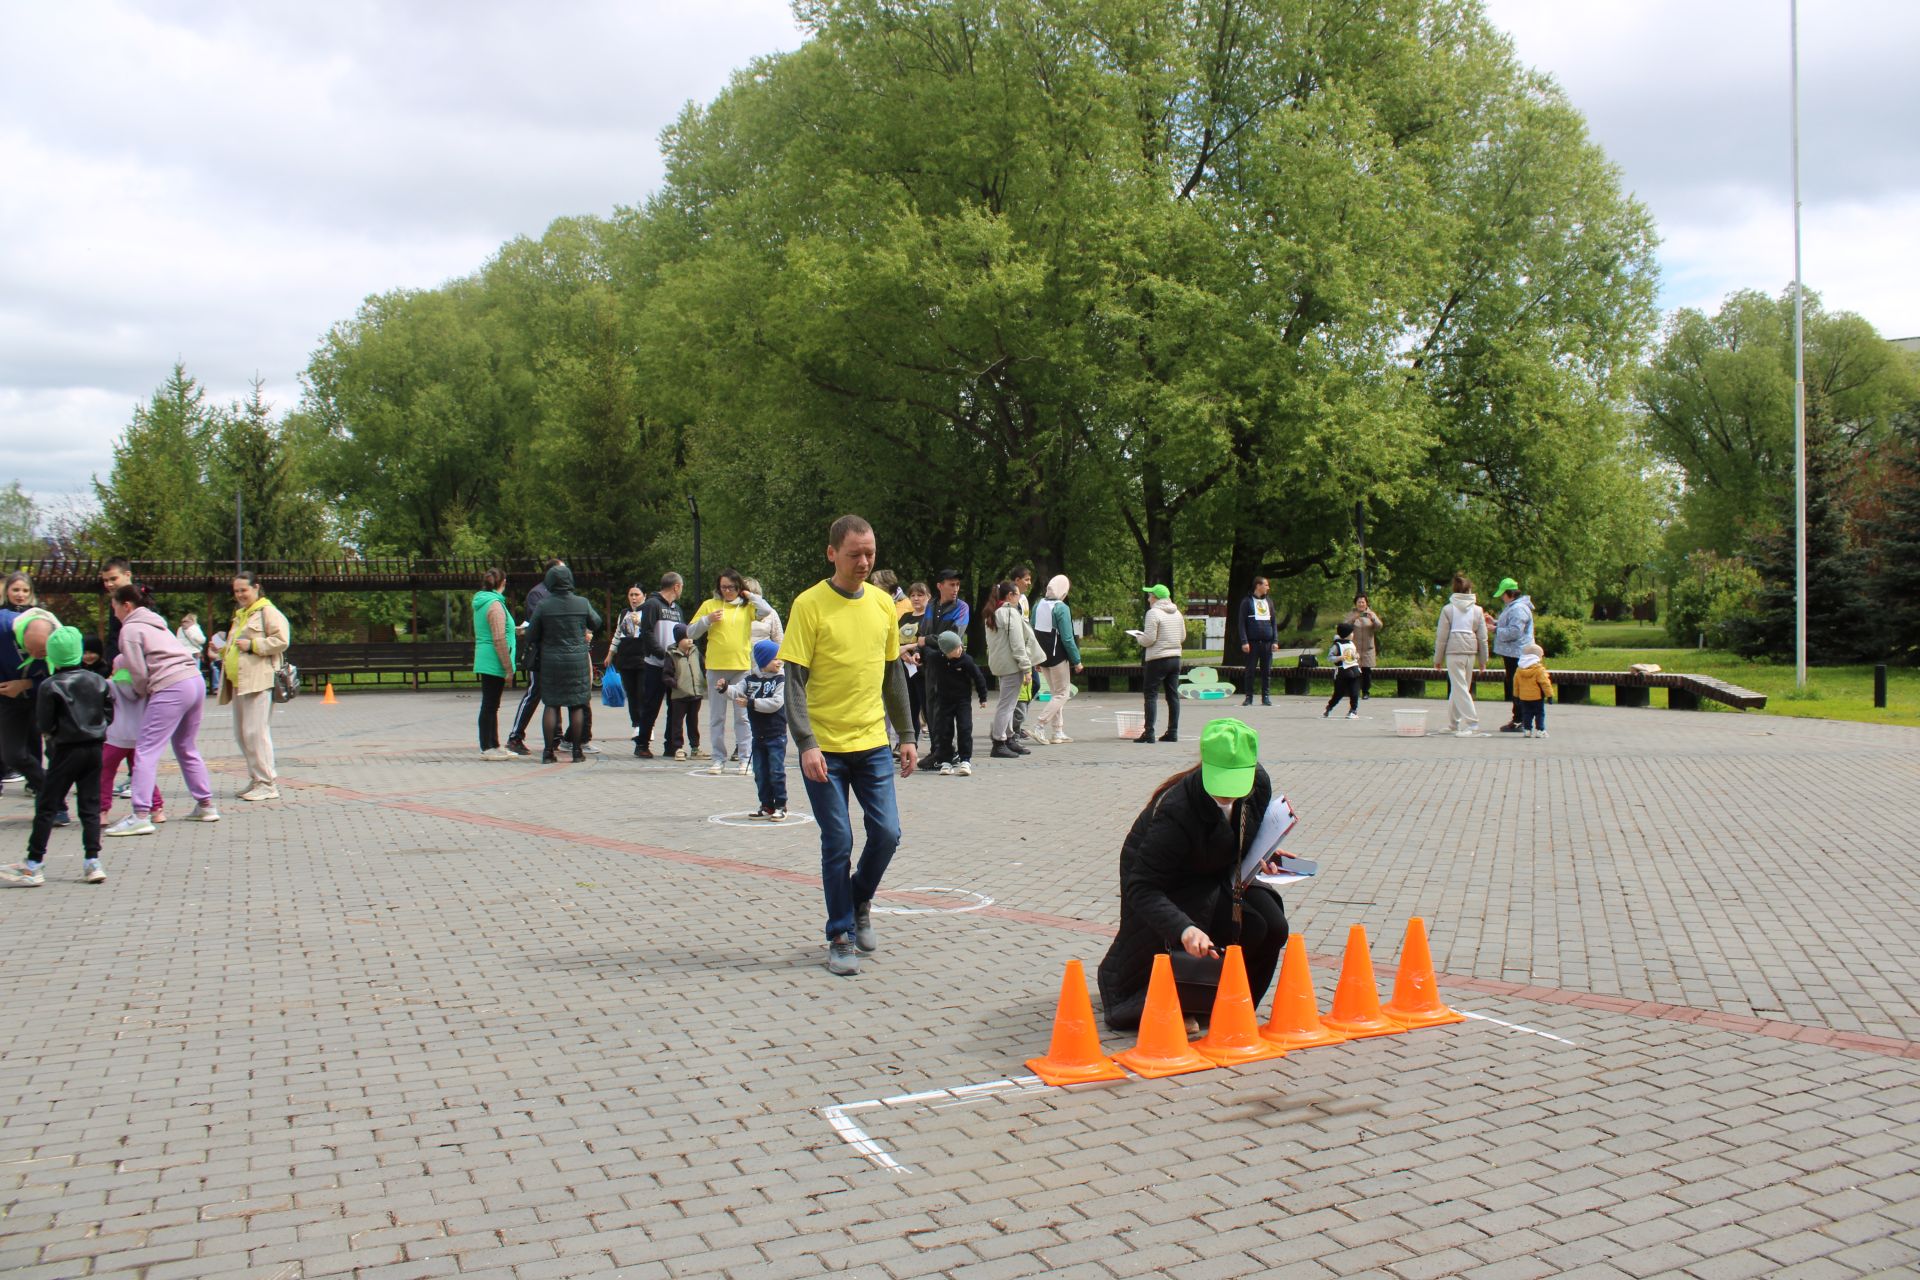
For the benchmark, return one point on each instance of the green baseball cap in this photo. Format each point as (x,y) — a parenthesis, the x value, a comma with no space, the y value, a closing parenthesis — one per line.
(64,647)
(1506,585)
(1229,757)
(1157,591)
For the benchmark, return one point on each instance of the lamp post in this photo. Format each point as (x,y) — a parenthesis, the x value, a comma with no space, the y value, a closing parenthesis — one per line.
(1799,383)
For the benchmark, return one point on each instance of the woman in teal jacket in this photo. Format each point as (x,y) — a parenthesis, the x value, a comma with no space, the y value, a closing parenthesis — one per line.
(493,650)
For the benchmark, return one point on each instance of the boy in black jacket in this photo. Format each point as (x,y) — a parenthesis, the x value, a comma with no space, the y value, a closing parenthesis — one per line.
(948,712)
(71,710)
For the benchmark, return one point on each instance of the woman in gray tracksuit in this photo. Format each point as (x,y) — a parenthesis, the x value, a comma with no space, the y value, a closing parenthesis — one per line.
(1460,645)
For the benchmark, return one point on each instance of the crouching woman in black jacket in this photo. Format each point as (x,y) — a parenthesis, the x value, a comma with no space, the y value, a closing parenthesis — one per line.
(1177,870)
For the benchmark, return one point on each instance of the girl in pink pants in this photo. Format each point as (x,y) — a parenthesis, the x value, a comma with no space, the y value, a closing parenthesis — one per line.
(122,734)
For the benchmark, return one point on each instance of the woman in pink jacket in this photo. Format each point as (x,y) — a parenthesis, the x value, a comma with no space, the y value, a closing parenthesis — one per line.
(167,674)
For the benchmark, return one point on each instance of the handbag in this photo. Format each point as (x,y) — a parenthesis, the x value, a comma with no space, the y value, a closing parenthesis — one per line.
(286,682)
(613,691)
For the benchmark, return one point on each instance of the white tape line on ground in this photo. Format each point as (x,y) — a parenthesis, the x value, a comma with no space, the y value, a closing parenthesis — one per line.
(980,901)
(863,1142)
(1514,1026)
(745,818)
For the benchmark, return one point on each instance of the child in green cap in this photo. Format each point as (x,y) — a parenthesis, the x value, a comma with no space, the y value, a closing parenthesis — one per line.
(72,709)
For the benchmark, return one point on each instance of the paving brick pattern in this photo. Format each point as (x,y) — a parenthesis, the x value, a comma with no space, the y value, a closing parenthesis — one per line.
(428,1016)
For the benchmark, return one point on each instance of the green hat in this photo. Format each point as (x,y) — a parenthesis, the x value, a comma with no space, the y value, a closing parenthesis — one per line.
(1157,591)
(64,647)
(1229,757)
(26,618)
(121,676)
(949,642)
(1506,585)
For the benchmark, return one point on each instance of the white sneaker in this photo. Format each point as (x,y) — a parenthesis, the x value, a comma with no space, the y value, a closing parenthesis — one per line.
(681,754)
(1526,733)
(778,815)
(1353,715)
(1539,733)
(717,768)
(743,767)
(946,769)
(134,824)
(261,791)
(496,753)
(204,813)
(1059,738)
(1463,733)
(122,790)
(964,769)
(94,873)
(590,749)
(23,874)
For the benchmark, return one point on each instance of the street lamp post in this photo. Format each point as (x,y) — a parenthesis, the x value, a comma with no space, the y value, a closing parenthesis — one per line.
(1799,385)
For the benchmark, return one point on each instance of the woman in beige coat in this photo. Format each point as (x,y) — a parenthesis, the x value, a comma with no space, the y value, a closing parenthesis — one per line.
(256,638)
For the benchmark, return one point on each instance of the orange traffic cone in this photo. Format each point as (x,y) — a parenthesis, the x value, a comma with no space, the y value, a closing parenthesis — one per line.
(327,699)
(1074,1057)
(1356,1003)
(1163,1049)
(1233,1036)
(1416,992)
(1295,1023)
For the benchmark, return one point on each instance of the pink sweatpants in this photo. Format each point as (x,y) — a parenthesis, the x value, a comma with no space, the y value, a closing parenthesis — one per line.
(111,757)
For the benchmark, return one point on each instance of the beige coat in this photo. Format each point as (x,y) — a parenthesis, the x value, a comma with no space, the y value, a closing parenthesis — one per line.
(1366,632)
(1164,631)
(268,636)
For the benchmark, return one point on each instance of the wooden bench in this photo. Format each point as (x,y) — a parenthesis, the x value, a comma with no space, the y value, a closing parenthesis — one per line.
(349,664)
(1630,689)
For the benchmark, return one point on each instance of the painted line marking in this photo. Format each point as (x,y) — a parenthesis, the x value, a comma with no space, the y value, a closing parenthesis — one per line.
(747,818)
(980,902)
(867,1146)
(1515,1026)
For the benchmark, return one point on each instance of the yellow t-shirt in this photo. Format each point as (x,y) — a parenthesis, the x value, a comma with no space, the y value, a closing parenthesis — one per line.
(730,640)
(845,646)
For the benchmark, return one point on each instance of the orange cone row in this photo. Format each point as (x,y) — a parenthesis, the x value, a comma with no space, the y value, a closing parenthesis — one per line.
(1234,1035)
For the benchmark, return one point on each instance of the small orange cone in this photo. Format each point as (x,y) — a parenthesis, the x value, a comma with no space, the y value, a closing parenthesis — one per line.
(1074,1057)
(327,699)
(1356,1002)
(1416,992)
(1233,1035)
(1295,1023)
(1163,1049)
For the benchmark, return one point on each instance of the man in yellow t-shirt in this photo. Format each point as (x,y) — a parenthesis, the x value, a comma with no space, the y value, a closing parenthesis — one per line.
(844,683)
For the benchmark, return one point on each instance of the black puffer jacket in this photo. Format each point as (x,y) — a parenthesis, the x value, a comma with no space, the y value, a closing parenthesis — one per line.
(559,625)
(1179,857)
(73,707)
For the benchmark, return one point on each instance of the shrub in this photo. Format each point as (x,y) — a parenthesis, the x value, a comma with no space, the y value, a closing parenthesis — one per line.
(1558,636)
(1408,634)
(1712,592)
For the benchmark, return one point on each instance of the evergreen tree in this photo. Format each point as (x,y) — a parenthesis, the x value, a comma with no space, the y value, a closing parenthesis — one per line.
(1841,620)
(154,503)
(1897,550)
(254,457)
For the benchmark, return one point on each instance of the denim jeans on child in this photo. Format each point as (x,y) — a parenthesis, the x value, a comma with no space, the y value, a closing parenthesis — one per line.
(1533,715)
(770,771)
(869,776)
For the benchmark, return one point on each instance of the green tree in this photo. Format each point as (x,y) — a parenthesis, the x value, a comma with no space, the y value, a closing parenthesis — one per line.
(154,503)
(260,460)
(1718,402)
(19,524)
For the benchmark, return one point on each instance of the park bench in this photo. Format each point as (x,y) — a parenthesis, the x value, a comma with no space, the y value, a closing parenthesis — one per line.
(350,663)
(1630,688)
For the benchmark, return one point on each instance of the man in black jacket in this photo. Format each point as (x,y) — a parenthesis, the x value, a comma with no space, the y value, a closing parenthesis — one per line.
(1257,634)
(530,700)
(658,616)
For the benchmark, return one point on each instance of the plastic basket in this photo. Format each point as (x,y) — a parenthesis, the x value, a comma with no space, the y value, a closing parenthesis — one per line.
(1410,724)
(1130,724)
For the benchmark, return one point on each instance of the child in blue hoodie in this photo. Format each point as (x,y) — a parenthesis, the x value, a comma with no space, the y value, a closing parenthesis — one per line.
(763,692)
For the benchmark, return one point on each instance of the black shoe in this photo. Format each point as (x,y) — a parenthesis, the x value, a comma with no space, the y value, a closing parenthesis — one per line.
(1017,748)
(1001,751)
(548,757)
(1266,702)
(1512,726)
(641,753)
(1145,739)
(518,747)
(579,754)
(1326,713)
(62,818)
(1169,736)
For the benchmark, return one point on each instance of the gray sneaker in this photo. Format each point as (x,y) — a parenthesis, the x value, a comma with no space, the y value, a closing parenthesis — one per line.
(843,958)
(134,824)
(863,934)
(204,812)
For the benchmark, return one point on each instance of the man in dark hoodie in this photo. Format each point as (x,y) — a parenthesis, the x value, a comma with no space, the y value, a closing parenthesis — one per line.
(1257,634)
(530,700)
(658,617)
(71,710)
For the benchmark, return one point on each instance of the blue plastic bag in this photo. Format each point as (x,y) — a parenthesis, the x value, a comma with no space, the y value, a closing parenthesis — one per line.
(612,692)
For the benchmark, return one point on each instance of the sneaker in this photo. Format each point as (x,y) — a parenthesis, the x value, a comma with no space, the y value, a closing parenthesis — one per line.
(204,812)
(134,824)
(1060,738)
(1526,733)
(1193,1026)
(1353,715)
(1539,733)
(1266,702)
(680,753)
(1511,726)
(863,935)
(843,958)
(743,767)
(24,875)
(518,747)
(761,813)
(1326,713)
(590,749)
(778,815)
(158,816)
(717,768)
(1001,751)
(13,779)
(261,791)
(496,753)
(94,873)
(964,769)
(123,789)
(62,818)
(946,770)
(1246,702)
(1463,733)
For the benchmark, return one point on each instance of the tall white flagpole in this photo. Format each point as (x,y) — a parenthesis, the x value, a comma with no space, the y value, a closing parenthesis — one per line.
(1799,386)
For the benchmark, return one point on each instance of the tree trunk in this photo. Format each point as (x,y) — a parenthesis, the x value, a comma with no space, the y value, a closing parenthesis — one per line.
(1243,565)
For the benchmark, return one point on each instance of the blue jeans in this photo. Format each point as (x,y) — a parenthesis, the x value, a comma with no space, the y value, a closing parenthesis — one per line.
(870,776)
(1533,715)
(770,771)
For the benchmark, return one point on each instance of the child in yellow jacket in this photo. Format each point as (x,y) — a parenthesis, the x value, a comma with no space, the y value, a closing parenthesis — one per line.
(1532,686)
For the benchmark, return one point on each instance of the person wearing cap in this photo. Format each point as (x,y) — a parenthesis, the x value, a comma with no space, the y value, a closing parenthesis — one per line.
(72,709)
(1178,868)
(949,673)
(762,693)
(24,628)
(1163,634)
(1512,633)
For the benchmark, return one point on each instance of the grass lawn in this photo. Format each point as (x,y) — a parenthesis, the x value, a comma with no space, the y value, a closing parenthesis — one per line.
(1626,635)
(1832,693)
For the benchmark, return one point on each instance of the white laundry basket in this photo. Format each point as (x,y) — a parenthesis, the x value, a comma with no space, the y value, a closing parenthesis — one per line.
(1410,724)
(1130,724)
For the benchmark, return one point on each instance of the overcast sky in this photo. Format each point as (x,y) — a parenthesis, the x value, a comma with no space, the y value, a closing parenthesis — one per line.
(220,182)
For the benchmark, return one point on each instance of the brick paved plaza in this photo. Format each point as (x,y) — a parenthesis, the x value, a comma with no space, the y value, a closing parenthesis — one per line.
(431,1016)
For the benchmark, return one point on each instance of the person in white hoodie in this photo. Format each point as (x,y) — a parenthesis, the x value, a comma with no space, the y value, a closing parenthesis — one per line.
(1460,645)
(1011,652)
(1163,633)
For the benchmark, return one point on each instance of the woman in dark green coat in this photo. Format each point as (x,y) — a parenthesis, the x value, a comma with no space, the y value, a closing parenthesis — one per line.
(557,631)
